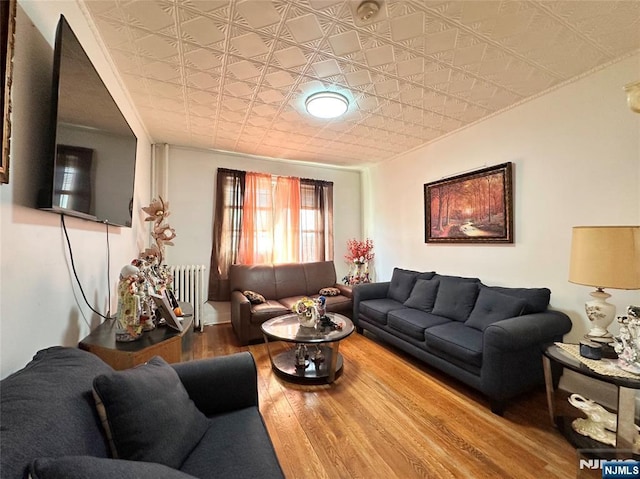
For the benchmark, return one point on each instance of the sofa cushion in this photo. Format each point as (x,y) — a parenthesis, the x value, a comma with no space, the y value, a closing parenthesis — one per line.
(377,309)
(536,299)
(423,295)
(148,415)
(465,279)
(318,275)
(457,340)
(338,304)
(492,306)
(456,298)
(243,430)
(85,467)
(267,310)
(427,275)
(253,277)
(291,280)
(290,301)
(413,322)
(402,281)
(253,297)
(55,384)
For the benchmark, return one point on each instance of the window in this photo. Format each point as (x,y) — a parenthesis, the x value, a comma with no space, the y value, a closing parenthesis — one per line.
(262,218)
(73,178)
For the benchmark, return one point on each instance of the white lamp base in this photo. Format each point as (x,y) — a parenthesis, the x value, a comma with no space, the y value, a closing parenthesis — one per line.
(601,315)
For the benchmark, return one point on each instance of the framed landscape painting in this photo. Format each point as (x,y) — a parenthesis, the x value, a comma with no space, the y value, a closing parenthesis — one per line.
(7,27)
(475,207)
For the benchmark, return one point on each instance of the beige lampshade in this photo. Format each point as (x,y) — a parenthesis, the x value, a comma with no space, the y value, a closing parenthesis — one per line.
(606,256)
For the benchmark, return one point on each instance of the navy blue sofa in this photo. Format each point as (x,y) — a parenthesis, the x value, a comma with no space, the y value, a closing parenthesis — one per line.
(489,338)
(50,427)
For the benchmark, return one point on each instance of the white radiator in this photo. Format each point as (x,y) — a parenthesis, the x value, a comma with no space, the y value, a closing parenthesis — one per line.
(188,286)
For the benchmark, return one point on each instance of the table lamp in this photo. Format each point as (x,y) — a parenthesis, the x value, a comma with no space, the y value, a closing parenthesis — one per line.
(604,257)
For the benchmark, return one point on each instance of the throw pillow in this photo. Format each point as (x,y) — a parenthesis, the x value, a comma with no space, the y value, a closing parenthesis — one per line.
(147,414)
(254,298)
(536,299)
(402,281)
(83,467)
(423,295)
(329,292)
(492,306)
(455,298)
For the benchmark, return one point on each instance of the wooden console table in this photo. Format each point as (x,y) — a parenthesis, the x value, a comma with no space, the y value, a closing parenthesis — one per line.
(172,345)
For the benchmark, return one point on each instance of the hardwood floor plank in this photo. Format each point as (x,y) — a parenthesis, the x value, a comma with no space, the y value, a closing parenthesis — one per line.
(391,416)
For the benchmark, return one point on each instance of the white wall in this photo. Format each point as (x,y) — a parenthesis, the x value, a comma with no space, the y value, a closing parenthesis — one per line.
(191,184)
(40,305)
(576,153)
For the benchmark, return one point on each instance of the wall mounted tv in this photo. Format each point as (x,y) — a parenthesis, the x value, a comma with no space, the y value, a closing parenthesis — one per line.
(89,171)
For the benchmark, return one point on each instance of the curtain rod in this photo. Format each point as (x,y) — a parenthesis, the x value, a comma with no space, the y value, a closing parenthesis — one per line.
(324,182)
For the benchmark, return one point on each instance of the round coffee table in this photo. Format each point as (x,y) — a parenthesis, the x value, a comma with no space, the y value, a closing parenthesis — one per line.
(312,360)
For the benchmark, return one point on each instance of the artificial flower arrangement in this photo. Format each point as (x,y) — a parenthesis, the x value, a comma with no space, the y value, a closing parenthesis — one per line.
(313,312)
(359,251)
(162,233)
(306,310)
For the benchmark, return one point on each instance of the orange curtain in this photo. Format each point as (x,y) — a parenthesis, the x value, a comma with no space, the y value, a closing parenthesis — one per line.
(256,240)
(286,224)
(285,220)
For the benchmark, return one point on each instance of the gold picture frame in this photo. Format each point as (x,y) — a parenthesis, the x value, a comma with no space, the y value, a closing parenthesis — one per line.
(7,37)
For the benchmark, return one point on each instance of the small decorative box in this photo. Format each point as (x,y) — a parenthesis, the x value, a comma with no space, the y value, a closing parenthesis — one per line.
(590,349)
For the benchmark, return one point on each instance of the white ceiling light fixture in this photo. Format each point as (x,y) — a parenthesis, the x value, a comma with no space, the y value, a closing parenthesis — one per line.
(327,104)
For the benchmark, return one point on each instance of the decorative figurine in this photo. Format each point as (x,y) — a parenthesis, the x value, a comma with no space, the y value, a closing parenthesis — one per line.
(321,306)
(128,315)
(302,356)
(627,343)
(600,424)
(318,357)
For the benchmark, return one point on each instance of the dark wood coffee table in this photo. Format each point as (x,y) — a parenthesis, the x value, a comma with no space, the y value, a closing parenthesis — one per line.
(173,346)
(318,341)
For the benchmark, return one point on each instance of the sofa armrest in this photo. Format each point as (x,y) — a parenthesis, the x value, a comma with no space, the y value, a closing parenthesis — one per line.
(240,316)
(221,384)
(240,302)
(345,289)
(364,291)
(524,331)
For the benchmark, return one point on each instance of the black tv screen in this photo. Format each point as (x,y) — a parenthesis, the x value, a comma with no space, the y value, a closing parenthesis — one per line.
(92,151)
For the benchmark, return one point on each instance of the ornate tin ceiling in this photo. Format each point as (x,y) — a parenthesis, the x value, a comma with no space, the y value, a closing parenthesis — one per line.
(233,75)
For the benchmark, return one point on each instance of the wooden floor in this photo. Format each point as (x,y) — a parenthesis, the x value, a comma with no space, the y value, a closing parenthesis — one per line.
(389,416)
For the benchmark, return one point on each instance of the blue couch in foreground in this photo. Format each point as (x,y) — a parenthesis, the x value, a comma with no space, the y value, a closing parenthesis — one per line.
(195,419)
(489,338)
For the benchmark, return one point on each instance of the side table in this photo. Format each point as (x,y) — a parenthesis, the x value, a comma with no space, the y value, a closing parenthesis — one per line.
(554,359)
(172,345)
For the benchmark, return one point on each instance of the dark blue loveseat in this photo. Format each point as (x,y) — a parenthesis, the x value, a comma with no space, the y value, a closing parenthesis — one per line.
(50,427)
(487,337)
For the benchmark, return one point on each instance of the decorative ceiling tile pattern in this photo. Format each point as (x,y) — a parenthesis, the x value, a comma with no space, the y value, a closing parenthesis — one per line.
(234,74)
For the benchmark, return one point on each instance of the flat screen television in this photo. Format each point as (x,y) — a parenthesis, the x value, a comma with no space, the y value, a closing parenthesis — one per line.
(89,170)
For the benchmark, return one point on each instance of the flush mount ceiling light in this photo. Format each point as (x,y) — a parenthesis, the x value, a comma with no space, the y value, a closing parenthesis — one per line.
(327,104)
